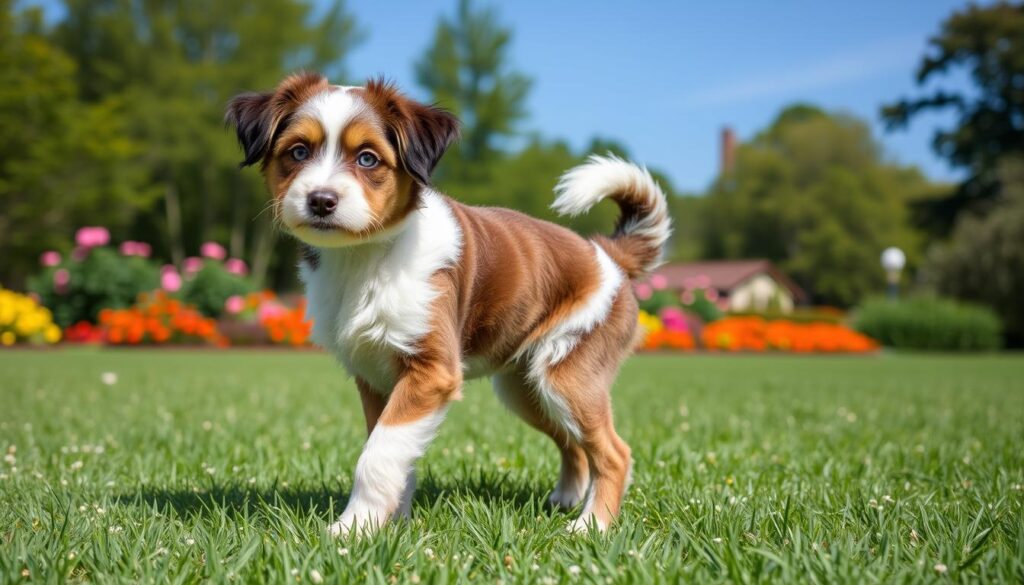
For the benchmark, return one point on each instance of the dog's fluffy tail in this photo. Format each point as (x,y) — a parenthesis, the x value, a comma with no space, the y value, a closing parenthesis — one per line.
(644,224)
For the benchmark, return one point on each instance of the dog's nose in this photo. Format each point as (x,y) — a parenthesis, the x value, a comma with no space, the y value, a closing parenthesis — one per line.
(322,202)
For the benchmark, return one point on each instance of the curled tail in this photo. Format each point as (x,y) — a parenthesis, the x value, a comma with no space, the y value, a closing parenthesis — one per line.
(644,225)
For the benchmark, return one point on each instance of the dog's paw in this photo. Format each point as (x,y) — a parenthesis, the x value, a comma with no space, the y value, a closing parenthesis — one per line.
(585,524)
(566,498)
(361,524)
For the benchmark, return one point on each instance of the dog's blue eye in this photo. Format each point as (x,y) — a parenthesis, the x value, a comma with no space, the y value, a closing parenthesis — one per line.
(367,159)
(300,153)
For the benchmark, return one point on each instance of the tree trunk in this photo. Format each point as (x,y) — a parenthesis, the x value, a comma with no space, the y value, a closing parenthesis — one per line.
(173,206)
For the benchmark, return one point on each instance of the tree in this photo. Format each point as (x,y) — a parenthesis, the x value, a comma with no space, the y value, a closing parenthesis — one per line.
(64,163)
(987,42)
(466,70)
(174,64)
(813,193)
(984,260)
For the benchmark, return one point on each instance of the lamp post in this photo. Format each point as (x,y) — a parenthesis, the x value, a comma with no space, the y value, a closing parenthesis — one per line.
(893,261)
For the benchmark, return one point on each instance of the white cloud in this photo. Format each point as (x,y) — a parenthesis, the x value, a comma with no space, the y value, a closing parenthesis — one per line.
(840,68)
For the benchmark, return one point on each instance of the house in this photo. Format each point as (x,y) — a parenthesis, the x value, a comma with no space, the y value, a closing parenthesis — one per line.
(741,285)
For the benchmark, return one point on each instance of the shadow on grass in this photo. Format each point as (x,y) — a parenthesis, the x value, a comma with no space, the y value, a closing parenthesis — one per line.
(324,500)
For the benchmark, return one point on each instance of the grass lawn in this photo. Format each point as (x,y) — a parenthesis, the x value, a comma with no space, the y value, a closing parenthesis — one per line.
(228,466)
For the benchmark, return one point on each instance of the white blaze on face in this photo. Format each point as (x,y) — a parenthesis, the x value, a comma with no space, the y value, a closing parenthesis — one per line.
(334,110)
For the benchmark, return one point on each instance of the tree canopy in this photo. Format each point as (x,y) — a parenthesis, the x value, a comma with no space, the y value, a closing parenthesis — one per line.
(986,42)
(813,193)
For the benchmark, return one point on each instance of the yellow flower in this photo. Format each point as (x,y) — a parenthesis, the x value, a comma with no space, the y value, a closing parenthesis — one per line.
(7,338)
(51,334)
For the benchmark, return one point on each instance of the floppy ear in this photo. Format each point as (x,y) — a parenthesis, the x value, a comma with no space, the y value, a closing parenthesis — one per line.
(249,114)
(258,117)
(420,133)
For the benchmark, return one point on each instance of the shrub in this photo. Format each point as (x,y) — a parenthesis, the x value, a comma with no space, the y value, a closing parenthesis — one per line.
(78,288)
(930,323)
(209,288)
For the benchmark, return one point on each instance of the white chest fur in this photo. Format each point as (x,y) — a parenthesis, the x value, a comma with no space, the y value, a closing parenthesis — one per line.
(373,302)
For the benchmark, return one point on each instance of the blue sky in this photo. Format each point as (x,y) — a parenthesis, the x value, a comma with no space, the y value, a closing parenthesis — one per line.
(663,77)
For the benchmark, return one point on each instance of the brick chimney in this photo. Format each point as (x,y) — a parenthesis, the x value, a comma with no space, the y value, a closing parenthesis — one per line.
(728,151)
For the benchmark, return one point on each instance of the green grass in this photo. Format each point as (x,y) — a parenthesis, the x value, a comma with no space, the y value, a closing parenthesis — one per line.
(228,466)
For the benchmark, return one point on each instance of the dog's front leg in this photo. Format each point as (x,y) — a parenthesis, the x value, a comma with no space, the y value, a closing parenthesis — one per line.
(385,474)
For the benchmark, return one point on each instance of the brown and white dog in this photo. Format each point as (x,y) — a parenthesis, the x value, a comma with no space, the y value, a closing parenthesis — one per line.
(415,292)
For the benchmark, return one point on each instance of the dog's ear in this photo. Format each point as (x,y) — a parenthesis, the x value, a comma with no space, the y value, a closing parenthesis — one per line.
(259,117)
(248,113)
(420,133)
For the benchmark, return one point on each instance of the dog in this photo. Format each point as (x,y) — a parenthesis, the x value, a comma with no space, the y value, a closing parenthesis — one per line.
(414,292)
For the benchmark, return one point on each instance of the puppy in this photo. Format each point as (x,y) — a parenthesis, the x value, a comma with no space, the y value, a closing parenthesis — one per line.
(414,292)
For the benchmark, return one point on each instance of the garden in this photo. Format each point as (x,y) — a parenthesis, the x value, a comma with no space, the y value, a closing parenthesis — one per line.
(117,295)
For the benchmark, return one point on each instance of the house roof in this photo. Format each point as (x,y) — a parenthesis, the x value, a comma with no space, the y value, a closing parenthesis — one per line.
(726,275)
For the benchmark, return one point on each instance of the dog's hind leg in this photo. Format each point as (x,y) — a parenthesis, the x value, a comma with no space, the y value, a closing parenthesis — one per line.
(516,393)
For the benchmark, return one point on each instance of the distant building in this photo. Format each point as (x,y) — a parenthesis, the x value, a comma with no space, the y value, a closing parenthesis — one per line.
(742,285)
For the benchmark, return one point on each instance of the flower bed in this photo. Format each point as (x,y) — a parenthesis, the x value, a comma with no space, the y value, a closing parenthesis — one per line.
(158,319)
(758,335)
(24,321)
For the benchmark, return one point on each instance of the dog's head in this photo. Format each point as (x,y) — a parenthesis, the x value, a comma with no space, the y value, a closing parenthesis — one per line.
(344,164)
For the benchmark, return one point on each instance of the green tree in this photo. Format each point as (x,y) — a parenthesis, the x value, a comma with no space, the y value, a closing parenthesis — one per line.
(984,260)
(988,43)
(63,163)
(466,70)
(174,64)
(813,193)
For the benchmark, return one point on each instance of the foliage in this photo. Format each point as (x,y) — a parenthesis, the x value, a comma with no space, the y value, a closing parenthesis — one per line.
(798,315)
(813,194)
(65,162)
(756,334)
(23,320)
(984,260)
(465,69)
(245,458)
(210,287)
(928,323)
(117,107)
(987,42)
(158,319)
(78,289)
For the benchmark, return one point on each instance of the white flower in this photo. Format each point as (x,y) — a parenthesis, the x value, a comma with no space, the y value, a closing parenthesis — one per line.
(940,568)
(108,378)
(344,551)
(574,569)
(190,541)
(10,459)
(315,576)
(72,555)
(77,465)
(716,539)
(429,553)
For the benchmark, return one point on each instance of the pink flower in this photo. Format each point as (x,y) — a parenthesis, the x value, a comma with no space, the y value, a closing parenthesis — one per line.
(673,319)
(643,291)
(49,258)
(92,236)
(702,281)
(659,282)
(61,278)
(170,280)
(132,248)
(236,266)
(213,250)
(710,294)
(192,265)
(687,297)
(235,304)
(268,310)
